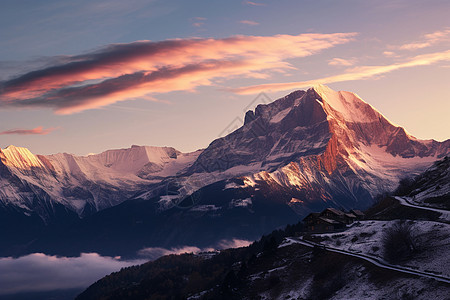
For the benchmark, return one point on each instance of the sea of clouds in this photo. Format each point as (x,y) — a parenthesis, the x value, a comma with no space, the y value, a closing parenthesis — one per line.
(39,272)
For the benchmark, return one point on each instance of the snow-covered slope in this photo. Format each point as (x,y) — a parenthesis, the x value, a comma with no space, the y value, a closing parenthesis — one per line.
(431,188)
(366,237)
(20,158)
(84,184)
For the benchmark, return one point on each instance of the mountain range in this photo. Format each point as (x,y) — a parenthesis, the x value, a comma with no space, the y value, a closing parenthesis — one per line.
(303,152)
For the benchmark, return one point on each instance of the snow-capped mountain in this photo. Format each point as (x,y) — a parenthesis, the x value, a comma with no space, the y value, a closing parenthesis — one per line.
(83,184)
(318,144)
(315,147)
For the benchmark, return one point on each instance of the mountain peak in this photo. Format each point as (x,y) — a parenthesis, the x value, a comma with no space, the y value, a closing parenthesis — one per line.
(13,148)
(322,88)
(21,158)
(346,105)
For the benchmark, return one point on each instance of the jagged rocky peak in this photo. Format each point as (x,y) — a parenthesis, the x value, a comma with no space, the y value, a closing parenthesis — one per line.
(268,110)
(299,108)
(315,105)
(249,117)
(309,123)
(274,133)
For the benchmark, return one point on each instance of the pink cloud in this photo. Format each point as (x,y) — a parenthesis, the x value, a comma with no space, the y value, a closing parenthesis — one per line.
(248,22)
(356,73)
(389,53)
(144,68)
(253,3)
(37,131)
(156,252)
(428,40)
(341,62)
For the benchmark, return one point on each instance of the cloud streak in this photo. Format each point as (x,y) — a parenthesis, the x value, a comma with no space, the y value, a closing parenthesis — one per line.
(127,71)
(249,22)
(153,253)
(341,62)
(35,131)
(356,73)
(428,40)
(251,3)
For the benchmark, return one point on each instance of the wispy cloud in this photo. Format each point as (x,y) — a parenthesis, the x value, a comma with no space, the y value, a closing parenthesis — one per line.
(153,253)
(428,40)
(40,272)
(389,53)
(198,21)
(128,71)
(341,62)
(248,22)
(36,131)
(234,243)
(251,3)
(357,73)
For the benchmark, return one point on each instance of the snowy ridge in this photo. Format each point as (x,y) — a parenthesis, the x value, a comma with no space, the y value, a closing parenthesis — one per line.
(97,181)
(20,158)
(132,160)
(348,105)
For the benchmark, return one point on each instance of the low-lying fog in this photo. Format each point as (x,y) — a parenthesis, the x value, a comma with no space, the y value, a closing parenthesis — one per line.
(39,272)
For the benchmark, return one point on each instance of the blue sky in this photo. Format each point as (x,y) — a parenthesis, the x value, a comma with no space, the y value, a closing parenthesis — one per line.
(396,54)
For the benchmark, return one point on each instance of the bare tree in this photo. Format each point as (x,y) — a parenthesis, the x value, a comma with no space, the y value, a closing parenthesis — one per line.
(399,241)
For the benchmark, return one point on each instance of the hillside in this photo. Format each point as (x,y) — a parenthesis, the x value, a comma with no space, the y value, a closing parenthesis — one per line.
(353,263)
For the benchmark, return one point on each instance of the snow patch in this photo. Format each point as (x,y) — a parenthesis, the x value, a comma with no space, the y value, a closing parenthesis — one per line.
(241,202)
(232,185)
(209,207)
(280,116)
(366,238)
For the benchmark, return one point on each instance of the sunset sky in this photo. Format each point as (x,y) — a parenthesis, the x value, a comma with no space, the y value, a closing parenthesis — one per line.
(86,76)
